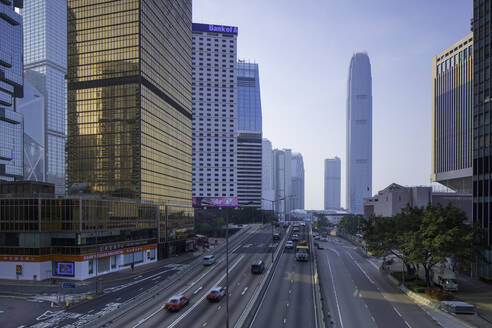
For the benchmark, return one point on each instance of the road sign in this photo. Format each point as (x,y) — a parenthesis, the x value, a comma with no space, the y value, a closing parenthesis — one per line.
(68,285)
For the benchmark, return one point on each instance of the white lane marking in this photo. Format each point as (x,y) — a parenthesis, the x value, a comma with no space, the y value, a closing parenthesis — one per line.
(374,264)
(190,309)
(175,322)
(90,311)
(408,325)
(196,291)
(137,277)
(118,299)
(397,311)
(156,278)
(196,281)
(330,249)
(204,324)
(335,292)
(140,288)
(244,291)
(363,271)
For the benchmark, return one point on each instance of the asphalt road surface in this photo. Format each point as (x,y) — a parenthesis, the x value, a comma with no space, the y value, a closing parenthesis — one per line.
(357,295)
(289,300)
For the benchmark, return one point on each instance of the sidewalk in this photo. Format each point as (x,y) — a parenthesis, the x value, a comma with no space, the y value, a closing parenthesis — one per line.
(476,292)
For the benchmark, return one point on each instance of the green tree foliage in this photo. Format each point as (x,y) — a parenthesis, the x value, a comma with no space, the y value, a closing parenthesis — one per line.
(353,224)
(424,236)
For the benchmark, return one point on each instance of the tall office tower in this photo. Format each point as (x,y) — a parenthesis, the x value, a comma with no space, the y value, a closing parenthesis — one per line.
(31,106)
(482,109)
(249,142)
(11,87)
(282,181)
(214,111)
(297,199)
(267,186)
(452,107)
(45,67)
(129,99)
(333,183)
(359,133)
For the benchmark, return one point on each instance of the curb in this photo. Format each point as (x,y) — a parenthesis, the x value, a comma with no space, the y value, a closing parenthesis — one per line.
(318,303)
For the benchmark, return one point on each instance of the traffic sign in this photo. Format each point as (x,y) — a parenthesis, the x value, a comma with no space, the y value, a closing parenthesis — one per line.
(68,285)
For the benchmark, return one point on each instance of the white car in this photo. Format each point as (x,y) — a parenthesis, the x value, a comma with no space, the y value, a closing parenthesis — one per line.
(289,244)
(208,260)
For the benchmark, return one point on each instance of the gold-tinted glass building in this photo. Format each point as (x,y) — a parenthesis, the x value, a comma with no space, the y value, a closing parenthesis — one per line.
(129,100)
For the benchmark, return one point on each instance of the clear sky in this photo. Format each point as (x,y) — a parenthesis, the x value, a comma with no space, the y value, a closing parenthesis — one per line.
(303,49)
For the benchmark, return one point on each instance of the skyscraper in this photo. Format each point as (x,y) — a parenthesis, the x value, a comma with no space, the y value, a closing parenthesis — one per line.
(359,133)
(333,183)
(249,153)
(214,110)
(297,199)
(282,181)
(129,99)
(45,67)
(11,87)
(452,115)
(267,171)
(482,106)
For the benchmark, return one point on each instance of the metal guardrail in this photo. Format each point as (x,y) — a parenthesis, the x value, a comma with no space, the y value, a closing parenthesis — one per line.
(107,319)
(247,317)
(318,303)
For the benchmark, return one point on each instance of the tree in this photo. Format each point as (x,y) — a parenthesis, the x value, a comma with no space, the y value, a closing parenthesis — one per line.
(440,234)
(353,224)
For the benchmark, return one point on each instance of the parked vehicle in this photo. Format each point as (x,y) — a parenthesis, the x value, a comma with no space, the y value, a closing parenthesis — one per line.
(258,267)
(302,253)
(444,278)
(176,303)
(208,260)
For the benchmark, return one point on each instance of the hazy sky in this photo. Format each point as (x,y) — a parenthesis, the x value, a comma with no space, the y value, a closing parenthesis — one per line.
(303,49)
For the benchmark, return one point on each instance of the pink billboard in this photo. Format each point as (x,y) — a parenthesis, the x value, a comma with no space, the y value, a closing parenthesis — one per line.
(215,201)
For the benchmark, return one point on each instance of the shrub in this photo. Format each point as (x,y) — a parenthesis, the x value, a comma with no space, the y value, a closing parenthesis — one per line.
(440,294)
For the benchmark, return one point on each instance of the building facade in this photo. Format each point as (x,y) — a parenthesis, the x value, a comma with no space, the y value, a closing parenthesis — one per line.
(482,109)
(282,181)
(45,67)
(333,183)
(31,106)
(267,186)
(298,184)
(215,120)
(249,137)
(11,87)
(359,133)
(129,101)
(452,107)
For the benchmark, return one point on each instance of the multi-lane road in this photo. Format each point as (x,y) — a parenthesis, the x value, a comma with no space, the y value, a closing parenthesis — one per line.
(357,295)
(354,293)
(289,299)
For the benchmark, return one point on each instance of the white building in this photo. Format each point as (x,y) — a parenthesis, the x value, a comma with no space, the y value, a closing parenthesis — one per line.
(359,133)
(267,186)
(333,183)
(214,110)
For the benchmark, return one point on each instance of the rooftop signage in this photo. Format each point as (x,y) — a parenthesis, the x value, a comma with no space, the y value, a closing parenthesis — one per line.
(215,28)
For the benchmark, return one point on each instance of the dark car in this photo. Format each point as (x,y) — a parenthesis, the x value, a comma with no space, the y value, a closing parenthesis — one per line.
(258,267)
(276,236)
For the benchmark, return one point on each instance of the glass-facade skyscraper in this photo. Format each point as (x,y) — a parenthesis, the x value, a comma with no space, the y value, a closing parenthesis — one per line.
(249,140)
(11,87)
(45,67)
(359,133)
(129,101)
(482,126)
(333,183)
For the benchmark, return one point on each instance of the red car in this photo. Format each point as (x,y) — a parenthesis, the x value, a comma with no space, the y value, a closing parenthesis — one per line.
(216,294)
(176,303)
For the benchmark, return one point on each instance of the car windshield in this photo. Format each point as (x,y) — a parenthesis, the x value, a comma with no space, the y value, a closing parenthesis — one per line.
(174,300)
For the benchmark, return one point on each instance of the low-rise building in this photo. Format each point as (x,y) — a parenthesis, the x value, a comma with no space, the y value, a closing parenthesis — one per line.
(44,236)
(392,199)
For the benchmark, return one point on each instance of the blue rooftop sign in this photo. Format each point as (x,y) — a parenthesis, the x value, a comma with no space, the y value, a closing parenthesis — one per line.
(215,28)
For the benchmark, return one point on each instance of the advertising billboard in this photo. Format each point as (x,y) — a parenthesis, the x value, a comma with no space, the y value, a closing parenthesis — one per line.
(65,269)
(215,201)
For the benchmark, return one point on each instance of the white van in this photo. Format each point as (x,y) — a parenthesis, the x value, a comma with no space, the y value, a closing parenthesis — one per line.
(208,260)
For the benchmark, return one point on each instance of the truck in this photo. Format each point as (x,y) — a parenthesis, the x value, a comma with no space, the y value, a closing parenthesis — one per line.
(302,253)
(444,278)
